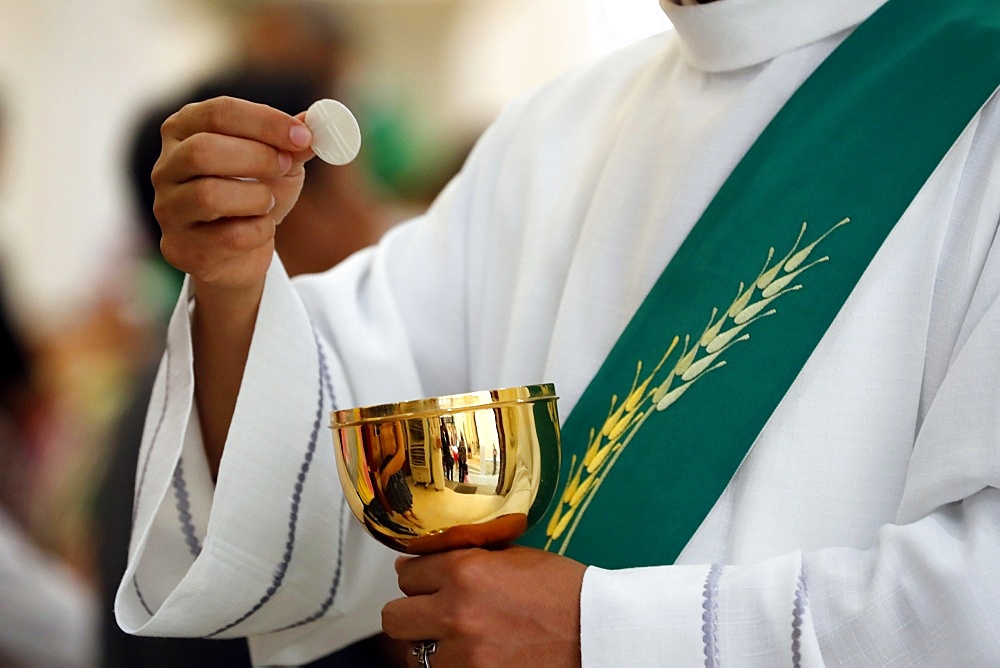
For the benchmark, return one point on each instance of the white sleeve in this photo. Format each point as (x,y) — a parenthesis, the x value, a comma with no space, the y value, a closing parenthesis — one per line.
(926,593)
(272,552)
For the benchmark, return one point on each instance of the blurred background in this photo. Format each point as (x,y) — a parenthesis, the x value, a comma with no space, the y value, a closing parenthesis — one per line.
(84,86)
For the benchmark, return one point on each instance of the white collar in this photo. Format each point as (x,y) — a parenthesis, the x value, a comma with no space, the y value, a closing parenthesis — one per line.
(733,34)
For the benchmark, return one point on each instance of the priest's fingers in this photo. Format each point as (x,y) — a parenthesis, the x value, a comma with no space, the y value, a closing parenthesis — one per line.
(490,607)
(218,221)
(415,618)
(206,154)
(235,167)
(228,252)
(426,575)
(211,198)
(226,137)
(233,117)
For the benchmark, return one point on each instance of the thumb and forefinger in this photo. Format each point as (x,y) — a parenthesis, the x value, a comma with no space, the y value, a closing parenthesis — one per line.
(244,119)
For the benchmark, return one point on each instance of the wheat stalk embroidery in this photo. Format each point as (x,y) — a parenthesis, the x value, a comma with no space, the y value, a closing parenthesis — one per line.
(697,358)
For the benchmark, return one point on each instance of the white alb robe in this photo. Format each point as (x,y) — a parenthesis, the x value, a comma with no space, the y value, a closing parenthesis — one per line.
(863,527)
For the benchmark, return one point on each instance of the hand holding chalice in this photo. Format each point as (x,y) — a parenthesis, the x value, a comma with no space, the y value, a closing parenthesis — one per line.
(457,471)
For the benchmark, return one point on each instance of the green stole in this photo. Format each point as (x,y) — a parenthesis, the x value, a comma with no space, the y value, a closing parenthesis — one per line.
(681,397)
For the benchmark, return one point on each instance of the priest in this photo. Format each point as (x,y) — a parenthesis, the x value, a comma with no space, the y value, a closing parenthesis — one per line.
(758,257)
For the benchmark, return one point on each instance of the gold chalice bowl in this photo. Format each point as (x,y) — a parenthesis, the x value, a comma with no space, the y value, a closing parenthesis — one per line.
(463,470)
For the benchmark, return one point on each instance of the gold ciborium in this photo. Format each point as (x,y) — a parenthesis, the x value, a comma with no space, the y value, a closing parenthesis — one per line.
(463,470)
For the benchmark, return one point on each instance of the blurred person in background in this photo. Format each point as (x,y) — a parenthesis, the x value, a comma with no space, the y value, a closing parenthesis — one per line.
(48,611)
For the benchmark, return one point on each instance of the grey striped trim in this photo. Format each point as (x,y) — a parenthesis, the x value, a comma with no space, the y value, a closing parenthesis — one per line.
(183,506)
(710,616)
(798,614)
(145,466)
(335,585)
(156,433)
(142,599)
(278,576)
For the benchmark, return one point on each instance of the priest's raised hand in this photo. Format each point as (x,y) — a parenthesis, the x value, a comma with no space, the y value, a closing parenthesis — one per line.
(229,172)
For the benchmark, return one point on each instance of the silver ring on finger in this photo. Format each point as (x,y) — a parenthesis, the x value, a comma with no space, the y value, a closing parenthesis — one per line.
(423,650)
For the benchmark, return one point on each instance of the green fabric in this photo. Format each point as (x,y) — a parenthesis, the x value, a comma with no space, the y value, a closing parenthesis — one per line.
(857,140)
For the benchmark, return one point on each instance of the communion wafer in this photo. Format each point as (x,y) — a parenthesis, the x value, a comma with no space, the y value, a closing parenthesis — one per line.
(335,131)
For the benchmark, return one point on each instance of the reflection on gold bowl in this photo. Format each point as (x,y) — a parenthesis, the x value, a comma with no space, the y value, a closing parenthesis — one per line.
(463,470)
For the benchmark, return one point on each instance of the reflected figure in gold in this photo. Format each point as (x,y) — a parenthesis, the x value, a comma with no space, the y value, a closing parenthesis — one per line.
(463,460)
(446,454)
(392,478)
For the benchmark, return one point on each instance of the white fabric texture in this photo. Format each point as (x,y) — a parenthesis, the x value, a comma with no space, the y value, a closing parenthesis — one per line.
(863,527)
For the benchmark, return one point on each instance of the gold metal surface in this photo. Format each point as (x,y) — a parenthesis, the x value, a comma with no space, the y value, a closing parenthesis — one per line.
(393,465)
